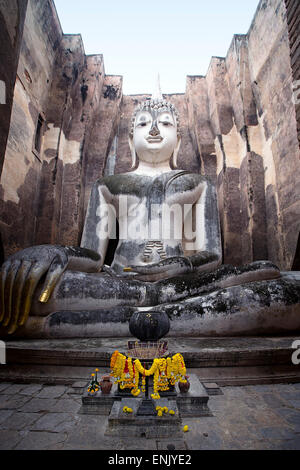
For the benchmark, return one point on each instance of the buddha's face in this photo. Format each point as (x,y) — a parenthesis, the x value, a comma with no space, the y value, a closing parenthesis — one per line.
(155,135)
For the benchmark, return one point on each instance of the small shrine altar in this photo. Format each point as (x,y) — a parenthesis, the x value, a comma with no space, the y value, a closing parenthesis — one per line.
(151,391)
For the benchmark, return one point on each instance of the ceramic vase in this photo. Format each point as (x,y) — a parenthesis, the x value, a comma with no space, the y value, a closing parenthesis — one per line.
(105,384)
(184,386)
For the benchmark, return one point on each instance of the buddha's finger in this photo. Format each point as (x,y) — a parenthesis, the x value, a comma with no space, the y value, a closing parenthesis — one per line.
(3,274)
(33,278)
(17,295)
(8,289)
(169,264)
(57,268)
(111,272)
(165,269)
(151,269)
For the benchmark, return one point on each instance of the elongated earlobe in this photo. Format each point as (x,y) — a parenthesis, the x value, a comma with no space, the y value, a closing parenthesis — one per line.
(172,162)
(173,159)
(134,157)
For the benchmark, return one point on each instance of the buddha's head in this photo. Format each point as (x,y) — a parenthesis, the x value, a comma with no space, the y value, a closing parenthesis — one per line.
(154,135)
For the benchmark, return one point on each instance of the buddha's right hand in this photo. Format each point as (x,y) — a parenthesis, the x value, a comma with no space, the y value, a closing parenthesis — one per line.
(164,269)
(19,277)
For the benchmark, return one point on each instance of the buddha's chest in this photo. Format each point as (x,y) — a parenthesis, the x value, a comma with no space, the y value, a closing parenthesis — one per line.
(151,197)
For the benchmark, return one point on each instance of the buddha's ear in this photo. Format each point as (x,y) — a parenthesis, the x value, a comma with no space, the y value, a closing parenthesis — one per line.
(175,153)
(134,159)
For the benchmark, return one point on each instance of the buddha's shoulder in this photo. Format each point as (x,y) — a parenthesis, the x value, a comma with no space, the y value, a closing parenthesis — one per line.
(186,179)
(124,183)
(117,178)
(132,182)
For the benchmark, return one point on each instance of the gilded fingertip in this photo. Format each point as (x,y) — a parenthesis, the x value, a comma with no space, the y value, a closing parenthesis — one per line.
(44,297)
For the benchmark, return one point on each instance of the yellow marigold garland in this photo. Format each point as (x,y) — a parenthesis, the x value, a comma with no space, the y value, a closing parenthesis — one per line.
(164,371)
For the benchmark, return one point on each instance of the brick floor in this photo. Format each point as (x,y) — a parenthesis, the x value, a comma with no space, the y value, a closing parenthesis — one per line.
(34,416)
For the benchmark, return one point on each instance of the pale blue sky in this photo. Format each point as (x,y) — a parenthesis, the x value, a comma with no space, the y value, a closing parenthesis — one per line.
(139,39)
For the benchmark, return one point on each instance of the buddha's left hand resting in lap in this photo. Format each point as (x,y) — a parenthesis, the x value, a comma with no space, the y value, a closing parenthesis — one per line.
(168,227)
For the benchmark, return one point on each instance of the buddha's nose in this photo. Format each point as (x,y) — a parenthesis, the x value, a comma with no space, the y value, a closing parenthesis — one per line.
(154,129)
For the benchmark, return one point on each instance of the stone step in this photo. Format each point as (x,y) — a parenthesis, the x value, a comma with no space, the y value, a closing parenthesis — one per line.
(197,352)
(225,361)
(223,376)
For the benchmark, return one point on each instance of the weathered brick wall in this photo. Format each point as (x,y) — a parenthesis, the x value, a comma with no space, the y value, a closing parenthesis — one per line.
(21,168)
(293,21)
(12,17)
(104,128)
(275,137)
(44,194)
(72,103)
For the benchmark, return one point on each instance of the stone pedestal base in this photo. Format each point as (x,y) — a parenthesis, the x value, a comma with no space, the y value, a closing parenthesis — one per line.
(195,402)
(142,422)
(146,408)
(135,425)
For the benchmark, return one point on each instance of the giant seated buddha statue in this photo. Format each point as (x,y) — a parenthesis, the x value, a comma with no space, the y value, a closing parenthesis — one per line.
(168,257)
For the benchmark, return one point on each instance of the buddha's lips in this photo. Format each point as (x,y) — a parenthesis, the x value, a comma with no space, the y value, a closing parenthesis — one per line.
(154,139)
